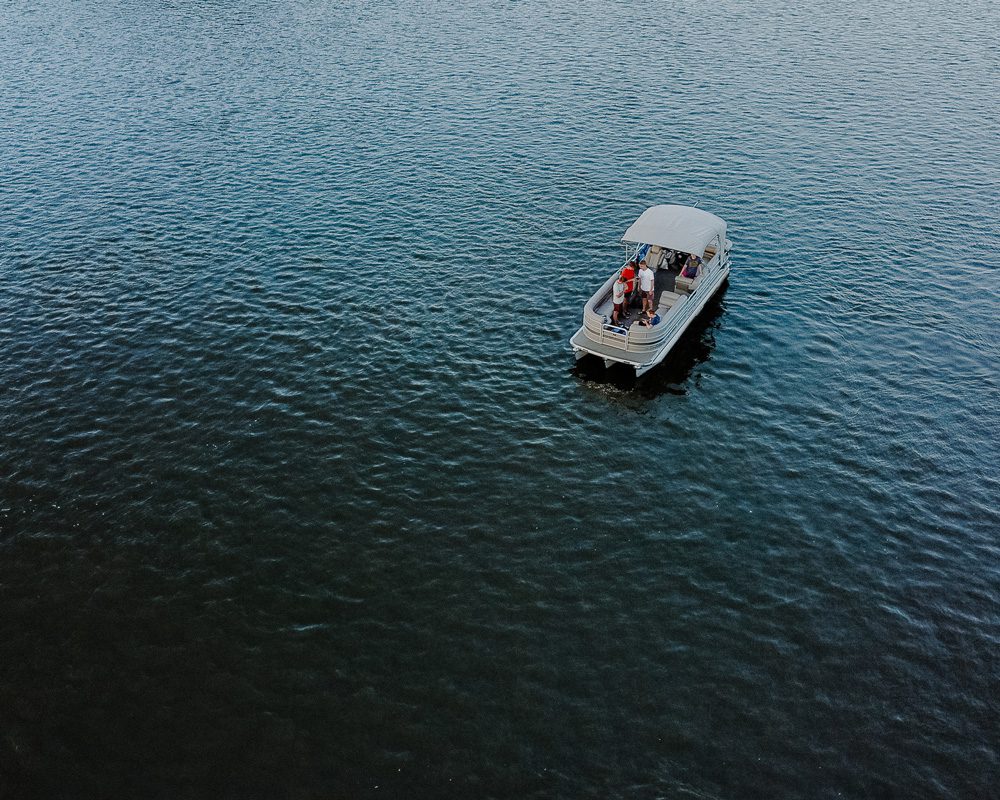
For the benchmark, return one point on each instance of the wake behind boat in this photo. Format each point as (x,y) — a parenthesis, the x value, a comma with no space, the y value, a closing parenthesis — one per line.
(687,253)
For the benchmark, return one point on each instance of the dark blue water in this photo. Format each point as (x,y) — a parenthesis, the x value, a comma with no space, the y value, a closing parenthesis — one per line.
(304,497)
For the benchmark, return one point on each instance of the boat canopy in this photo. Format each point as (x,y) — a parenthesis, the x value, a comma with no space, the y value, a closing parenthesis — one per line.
(683,228)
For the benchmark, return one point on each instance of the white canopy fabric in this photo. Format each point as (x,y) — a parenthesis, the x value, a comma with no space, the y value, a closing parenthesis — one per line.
(683,228)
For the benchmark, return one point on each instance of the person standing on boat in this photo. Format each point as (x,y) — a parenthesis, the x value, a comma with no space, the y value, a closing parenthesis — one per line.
(628,275)
(646,286)
(618,298)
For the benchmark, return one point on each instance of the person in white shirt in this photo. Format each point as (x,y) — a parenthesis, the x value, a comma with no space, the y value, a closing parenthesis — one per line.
(618,298)
(646,286)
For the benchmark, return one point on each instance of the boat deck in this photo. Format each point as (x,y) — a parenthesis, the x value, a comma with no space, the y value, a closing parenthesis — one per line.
(663,281)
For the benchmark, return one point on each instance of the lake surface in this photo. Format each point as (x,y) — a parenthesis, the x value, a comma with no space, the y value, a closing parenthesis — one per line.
(303,495)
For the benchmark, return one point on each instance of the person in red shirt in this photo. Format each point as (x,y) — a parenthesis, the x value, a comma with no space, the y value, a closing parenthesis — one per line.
(628,275)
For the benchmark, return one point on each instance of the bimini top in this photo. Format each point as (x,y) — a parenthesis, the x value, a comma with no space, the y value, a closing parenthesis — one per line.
(683,228)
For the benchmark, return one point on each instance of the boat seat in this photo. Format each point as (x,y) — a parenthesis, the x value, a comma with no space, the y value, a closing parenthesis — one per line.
(654,257)
(682,284)
(667,300)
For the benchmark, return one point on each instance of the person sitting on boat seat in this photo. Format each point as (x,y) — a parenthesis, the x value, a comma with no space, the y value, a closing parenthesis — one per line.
(618,298)
(646,286)
(649,319)
(628,275)
(691,266)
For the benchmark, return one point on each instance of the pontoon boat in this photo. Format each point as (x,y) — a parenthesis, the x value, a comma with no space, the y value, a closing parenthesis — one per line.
(663,236)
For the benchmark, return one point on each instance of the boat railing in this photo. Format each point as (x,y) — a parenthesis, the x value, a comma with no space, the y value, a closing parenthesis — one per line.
(636,339)
(614,335)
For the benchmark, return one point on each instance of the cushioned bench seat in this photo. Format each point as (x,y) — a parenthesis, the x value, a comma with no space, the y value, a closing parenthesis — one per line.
(682,284)
(667,299)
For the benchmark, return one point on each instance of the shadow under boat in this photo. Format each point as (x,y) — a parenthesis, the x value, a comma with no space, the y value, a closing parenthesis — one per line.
(670,376)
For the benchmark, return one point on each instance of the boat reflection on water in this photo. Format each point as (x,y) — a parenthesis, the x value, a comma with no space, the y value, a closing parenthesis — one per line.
(671,376)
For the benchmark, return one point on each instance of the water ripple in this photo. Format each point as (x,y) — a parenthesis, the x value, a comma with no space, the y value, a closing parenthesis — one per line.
(304,496)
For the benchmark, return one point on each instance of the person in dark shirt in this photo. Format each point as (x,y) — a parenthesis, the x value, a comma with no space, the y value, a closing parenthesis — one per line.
(691,266)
